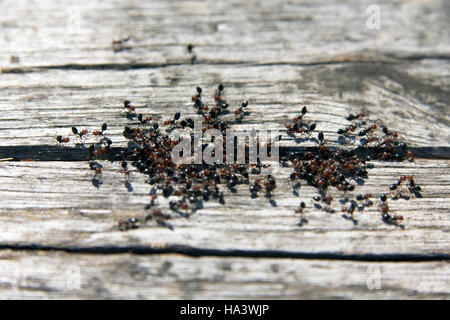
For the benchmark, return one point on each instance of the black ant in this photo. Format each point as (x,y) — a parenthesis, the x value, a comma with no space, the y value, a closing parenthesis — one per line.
(127,105)
(385,215)
(131,223)
(176,117)
(143,120)
(96,167)
(62,140)
(361,197)
(80,133)
(103,129)
(190,50)
(320,136)
(239,113)
(300,207)
(352,117)
(126,171)
(255,188)
(299,126)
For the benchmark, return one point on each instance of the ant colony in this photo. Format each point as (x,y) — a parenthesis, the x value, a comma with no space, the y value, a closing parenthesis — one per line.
(153,147)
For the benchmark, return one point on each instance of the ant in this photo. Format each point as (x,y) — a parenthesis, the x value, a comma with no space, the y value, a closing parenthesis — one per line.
(411,189)
(131,223)
(409,155)
(219,92)
(80,133)
(143,120)
(300,117)
(126,171)
(221,103)
(386,216)
(299,126)
(255,188)
(127,105)
(104,149)
(320,136)
(361,197)
(119,45)
(176,117)
(326,199)
(62,140)
(121,41)
(367,130)
(347,213)
(100,133)
(197,99)
(198,95)
(239,113)
(352,117)
(96,167)
(190,50)
(153,202)
(300,208)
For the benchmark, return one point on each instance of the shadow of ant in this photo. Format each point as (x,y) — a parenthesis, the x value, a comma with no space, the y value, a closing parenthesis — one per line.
(365,205)
(390,222)
(302,222)
(343,140)
(351,218)
(128,186)
(96,182)
(344,200)
(165,224)
(301,139)
(295,189)
(324,208)
(80,145)
(130,115)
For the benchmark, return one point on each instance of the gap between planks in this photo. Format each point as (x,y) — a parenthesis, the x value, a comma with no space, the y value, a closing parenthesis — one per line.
(204,252)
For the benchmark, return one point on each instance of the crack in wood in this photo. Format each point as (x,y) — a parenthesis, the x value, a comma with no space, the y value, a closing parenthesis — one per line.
(391,59)
(202,252)
(56,153)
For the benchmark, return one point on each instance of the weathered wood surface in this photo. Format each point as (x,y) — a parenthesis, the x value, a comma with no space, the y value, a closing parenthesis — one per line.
(63,33)
(279,56)
(38,106)
(55,204)
(53,275)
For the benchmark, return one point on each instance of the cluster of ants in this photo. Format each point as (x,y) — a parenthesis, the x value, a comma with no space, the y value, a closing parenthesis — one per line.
(150,147)
(326,169)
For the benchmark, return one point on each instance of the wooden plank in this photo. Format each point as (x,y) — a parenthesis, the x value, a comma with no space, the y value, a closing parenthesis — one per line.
(58,68)
(57,275)
(55,204)
(58,33)
(37,107)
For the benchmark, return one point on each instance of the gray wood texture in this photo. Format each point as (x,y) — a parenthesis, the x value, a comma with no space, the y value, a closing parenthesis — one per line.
(60,275)
(59,68)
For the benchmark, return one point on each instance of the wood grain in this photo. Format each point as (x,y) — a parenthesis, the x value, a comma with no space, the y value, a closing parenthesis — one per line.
(37,107)
(56,275)
(58,68)
(56,204)
(63,33)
